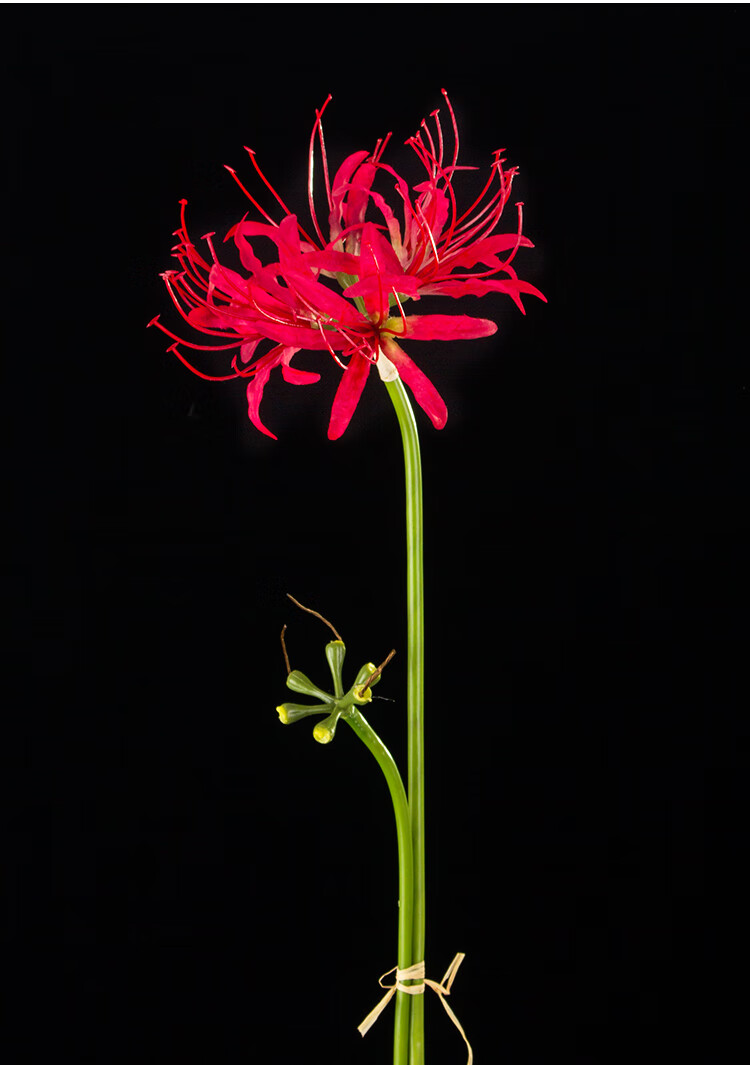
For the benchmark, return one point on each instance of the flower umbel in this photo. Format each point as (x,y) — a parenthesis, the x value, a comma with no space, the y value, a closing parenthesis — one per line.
(346,293)
(334,706)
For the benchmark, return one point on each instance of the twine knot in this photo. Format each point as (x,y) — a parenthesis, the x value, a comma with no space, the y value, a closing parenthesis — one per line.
(416,973)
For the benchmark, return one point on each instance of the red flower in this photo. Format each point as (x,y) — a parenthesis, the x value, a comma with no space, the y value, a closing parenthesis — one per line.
(361,325)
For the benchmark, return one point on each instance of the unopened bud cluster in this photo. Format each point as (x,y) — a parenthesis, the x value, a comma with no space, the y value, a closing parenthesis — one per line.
(335,705)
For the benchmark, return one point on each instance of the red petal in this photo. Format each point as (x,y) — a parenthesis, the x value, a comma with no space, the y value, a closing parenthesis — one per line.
(347,395)
(437,207)
(256,386)
(299,336)
(357,198)
(248,349)
(339,190)
(404,284)
(423,390)
(335,262)
(441,327)
(484,251)
(228,281)
(293,376)
(478,287)
(204,318)
(377,255)
(325,300)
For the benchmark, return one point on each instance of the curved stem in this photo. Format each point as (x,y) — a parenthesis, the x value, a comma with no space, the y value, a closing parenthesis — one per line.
(384,758)
(415,685)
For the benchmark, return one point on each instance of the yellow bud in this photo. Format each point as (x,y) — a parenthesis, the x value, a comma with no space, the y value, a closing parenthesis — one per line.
(283,716)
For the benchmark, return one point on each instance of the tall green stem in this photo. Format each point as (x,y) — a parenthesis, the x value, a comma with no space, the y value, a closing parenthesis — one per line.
(415,687)
(405,874)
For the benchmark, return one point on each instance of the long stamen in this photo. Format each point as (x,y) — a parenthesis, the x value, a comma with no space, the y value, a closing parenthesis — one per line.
(377,154)
(184,236)
(480,226)
(455,127)
(429,235)
(432,161)
(401,312)
(425,158)
(248,371)
(252,199)
(206,377)
(274,193)
(482,194)
(430,141)
(187,260)
(191,298)
(197,347)
(493,209)
(265,180)
(227,310)
(328,345)
(436,116)
(318,128)
(241,292)
(435,171)
(359,346)
(512,255)
(268,316)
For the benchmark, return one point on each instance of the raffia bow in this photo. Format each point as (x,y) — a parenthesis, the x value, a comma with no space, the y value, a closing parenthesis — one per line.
(417,972)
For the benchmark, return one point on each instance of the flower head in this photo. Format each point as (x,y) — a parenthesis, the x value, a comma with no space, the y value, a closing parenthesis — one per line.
(345,292)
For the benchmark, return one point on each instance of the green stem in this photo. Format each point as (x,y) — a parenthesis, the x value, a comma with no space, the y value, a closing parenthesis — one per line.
(415,686)
(383,756)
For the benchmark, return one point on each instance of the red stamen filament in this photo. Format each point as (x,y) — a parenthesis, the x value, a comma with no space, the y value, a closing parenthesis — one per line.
(252,200)
(206,377)
(274,193)
(318,128)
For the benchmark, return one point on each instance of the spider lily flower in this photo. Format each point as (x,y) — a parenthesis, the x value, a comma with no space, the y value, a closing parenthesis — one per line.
(289,302)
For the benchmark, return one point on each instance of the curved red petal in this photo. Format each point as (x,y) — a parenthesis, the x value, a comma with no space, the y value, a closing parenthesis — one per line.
(255,395)
(293,376)
(483,251)
(423,390)
(480,287)
(347,395)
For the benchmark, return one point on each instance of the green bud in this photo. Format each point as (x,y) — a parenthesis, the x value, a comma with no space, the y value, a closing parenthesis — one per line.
(325,730)
(364,675)
(298,682)
(290,712)
(335,652)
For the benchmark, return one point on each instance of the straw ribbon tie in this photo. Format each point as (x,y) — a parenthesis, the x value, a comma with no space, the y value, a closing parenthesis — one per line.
(417,972)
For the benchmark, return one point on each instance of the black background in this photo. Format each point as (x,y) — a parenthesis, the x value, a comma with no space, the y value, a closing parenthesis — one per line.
(186,877)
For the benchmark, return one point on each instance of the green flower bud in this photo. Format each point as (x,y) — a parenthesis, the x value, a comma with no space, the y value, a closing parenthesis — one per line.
(325,730)
(335,652)
(290,712)
(298,682)
(364,675)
